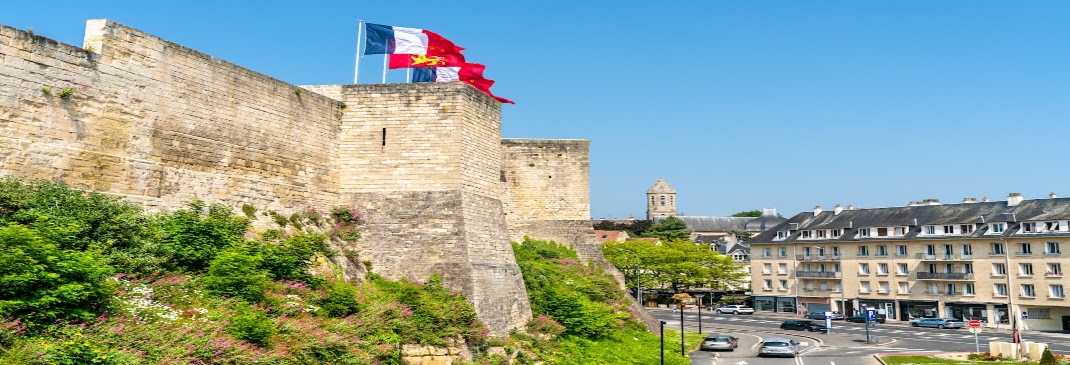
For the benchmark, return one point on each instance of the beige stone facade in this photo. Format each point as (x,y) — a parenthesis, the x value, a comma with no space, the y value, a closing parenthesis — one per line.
(994,262)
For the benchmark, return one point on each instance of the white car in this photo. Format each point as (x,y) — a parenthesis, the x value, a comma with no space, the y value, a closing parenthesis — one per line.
(735,309)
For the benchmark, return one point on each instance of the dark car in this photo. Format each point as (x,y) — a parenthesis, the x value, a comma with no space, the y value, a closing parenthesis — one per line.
(803,325)
(861,318)
(821,315)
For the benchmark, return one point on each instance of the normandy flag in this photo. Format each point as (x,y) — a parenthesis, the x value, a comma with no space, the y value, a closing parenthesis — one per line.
(468,73)
(412,47)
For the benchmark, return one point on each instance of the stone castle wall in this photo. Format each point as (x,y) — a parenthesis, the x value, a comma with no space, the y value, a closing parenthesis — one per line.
(159,123)
(162,124)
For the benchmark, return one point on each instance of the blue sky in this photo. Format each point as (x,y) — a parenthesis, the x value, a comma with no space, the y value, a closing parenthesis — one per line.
(739,105)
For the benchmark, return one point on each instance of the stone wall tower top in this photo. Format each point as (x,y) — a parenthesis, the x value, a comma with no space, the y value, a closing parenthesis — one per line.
(660,200)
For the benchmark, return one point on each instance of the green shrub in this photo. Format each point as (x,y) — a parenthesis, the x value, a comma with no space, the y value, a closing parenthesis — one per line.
(251,325)
(237,272)
(280,219)
(545,325)
(249,210)
(292,258)
(82,350)
(194,240)
(43,283)
(1047,358)
(339,300)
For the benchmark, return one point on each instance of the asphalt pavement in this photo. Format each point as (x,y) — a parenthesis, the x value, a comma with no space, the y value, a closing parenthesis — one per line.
(845,344)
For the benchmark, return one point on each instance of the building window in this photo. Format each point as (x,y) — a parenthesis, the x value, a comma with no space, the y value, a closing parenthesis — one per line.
(782,268)
(652,200)
(882,269)
(1054,269)
(934,289)
(1051,226)
(997,227)
(768,285)
(1051,248)
(904,288)
(999,269)
(807,234)
(1025,269)
(930,251)
(899,231)
(863,250)
(882,232)
(1039,313)
(824,286)
(835,233)
(999,290)
(863,232)
(672,200)
(930,229)
(1025,248)
(901,269)
(864,288)
(783,252)
(781,235)
(1056,291)
(901,250)
(949,229)
(966,229)
(783,285)
(883,287)
(663,200)
(967,268)
(967,251)
(837,287)
(767,268)
(967,289)
(835,251)
(1029,227)
(767,252)
(997,249)
(1028,291)
(950,289)
(882,250)
(863,269)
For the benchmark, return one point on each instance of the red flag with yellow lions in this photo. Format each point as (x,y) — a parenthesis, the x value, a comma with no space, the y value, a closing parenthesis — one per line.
(440,53)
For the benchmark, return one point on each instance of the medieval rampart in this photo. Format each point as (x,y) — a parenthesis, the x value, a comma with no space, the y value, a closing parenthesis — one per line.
(132,115)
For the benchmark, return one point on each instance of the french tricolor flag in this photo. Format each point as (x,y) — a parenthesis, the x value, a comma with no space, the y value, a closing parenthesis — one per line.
(406,41)
(469,73)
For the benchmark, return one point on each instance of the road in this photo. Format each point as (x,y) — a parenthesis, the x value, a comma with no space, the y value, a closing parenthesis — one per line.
(845,344)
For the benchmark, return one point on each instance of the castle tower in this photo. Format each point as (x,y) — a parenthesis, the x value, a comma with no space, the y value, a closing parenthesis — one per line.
(660,200)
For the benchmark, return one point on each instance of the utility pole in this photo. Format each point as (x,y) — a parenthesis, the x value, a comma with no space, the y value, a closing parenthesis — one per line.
(662,342)
(682,330)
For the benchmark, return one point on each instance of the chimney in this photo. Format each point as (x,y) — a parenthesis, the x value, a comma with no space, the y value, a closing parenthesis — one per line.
(930,202)
(817,210)
(969,200)
(850,207)
(984,198)
(1052,195)
(837,209)
(913,204)
(1014,199)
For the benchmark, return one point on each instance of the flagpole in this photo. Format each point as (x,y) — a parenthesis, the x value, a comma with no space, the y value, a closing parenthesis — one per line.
(386,61)
(408,75)
(356,68)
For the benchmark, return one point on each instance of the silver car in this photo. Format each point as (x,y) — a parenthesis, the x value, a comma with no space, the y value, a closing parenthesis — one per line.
(937,322)
(778,347)
(719,342)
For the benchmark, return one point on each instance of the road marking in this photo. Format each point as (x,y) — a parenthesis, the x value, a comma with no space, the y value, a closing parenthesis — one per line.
(741,362)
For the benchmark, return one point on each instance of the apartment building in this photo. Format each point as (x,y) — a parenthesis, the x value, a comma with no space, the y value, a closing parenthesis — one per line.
(996,261)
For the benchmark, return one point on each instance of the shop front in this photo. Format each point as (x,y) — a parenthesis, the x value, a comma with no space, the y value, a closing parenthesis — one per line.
(814,305)
(914,309)
(885,307)
(966,311)
(774,304)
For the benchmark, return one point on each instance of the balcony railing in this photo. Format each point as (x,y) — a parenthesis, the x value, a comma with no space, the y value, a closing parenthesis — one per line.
(944,276)
(946,256)
(1053,274)
(818,274)
(1023,254)
(817,257)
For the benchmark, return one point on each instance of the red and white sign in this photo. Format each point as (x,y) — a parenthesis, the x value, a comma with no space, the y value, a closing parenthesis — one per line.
(974,323)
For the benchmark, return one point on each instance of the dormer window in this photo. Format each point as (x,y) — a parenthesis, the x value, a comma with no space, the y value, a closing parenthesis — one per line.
(834,233)
(899,231)
(781,235)
(930,229)
(949,229)
(966,229)
(1029,227)
(997,227)
(882,232)
(863,232)
(807,234)
(821,233)
(1051,226)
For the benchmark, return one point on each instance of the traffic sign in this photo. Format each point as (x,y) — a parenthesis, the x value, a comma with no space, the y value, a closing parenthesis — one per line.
(871,315)
(974,323)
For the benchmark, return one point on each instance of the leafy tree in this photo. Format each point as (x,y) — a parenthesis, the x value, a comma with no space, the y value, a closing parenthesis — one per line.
(237,272)
(669,228)
(1047,358)
(634,228)
(676,264)
(43,283)
(748,213)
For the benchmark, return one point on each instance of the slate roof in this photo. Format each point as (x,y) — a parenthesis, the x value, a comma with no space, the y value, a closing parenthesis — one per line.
(916,217)
(713,224)
(767,220)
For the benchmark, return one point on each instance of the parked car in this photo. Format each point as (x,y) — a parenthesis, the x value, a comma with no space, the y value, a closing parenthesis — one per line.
(803,325)
(861,318)
(735,309)
(821,315)
(778,347)
(719,342)
(937,323)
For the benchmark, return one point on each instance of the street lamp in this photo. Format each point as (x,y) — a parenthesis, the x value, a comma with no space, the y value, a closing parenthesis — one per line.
(662,342)
(699,296)
(1016,336)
